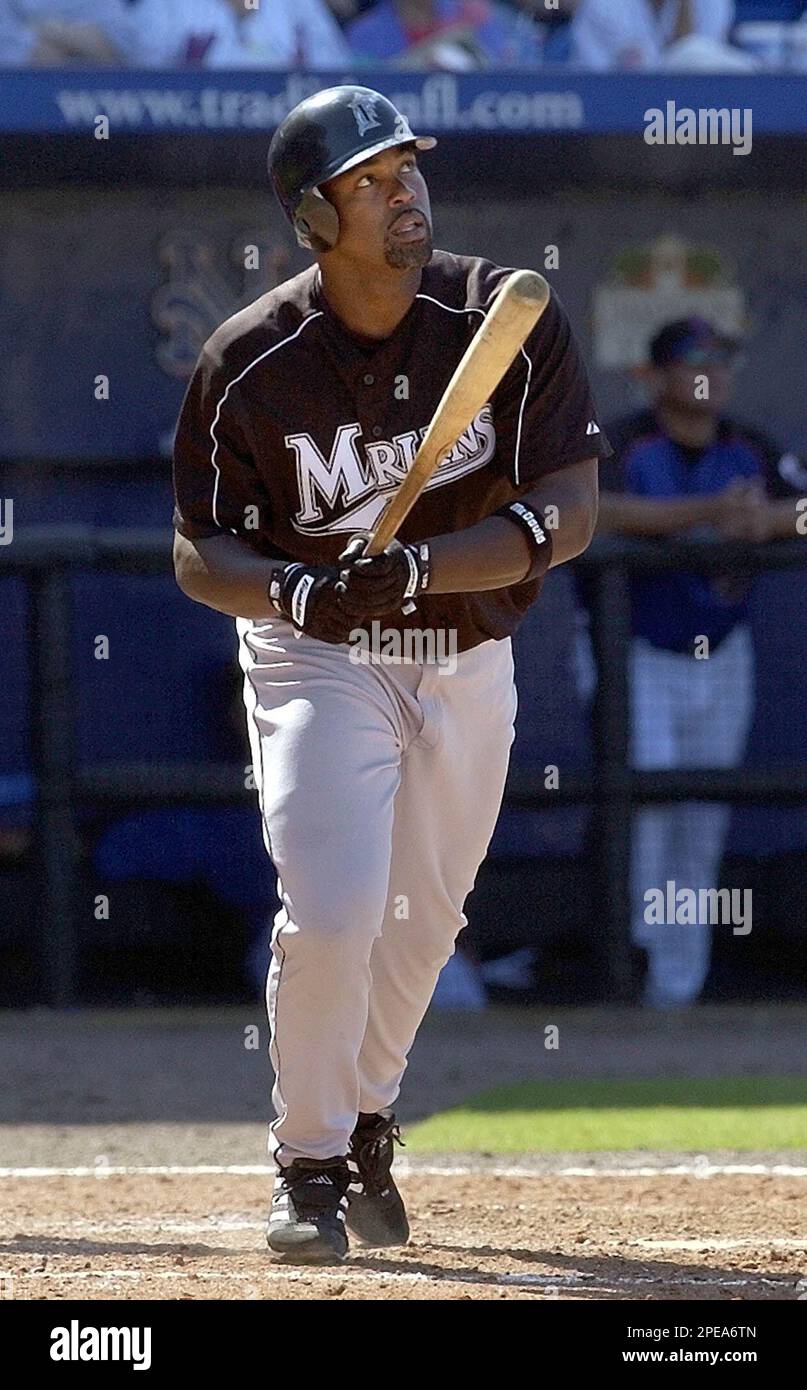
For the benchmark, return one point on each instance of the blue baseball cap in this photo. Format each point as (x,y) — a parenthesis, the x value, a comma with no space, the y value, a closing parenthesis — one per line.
(693,341)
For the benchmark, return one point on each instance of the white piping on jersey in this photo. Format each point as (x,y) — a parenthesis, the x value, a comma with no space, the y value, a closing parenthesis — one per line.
(234,382)
(468,310)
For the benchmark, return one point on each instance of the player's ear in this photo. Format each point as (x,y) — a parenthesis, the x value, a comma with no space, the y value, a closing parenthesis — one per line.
(316,222)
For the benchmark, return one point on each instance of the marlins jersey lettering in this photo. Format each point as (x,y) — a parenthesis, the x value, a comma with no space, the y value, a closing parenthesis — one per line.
(294,431)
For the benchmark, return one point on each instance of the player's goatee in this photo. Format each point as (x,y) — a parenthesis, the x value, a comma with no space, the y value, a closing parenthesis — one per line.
(403,255)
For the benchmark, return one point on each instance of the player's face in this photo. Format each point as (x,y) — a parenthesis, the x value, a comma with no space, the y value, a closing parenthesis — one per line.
(704,389)
(384,211)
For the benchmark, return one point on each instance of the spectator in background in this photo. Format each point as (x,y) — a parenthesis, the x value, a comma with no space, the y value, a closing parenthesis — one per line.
(458,35)
(348,9)
(301,34)
(682,468)
(555,25)
(59,33)
(609,35)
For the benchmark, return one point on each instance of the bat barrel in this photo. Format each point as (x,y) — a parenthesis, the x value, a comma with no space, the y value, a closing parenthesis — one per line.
(528,284)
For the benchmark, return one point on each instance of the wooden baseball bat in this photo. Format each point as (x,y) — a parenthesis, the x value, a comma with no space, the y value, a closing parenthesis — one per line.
(515,312)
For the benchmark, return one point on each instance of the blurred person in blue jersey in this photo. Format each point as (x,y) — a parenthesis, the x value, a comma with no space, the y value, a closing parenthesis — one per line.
(294,34)
(61,33)
(555,23)
(455,35)
(685,468)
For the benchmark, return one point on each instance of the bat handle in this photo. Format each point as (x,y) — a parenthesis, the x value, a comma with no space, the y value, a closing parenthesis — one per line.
(371,547)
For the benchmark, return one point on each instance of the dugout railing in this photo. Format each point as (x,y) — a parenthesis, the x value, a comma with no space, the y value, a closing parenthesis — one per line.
(47,556)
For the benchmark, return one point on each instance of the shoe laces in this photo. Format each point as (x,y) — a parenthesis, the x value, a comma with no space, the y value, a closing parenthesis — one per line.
(375,1152)
(300,1181)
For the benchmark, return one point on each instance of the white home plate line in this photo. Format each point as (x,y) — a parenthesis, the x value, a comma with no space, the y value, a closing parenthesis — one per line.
(591,1282)
(81,1225)
(689,1170)
(127,1170)
(697,1169)
(241,1276)
(723,1243)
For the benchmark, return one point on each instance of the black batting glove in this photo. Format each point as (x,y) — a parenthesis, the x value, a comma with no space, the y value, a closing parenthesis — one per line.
(383,583)
(310,597)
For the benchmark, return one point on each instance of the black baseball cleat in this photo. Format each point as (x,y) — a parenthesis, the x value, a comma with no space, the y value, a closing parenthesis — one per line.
(376,1213)
(307,1217)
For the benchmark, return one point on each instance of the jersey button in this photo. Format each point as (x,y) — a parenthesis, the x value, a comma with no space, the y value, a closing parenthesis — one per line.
(377,431)
(369,380)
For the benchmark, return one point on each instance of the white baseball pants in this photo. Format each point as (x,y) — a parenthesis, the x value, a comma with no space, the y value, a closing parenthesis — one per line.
(687,713)
(379,788)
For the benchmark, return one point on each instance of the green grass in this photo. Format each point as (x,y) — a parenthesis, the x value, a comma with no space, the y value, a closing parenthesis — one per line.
(696,1114)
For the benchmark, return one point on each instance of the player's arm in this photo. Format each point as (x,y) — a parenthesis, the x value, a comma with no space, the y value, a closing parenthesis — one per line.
(737,512)
(509,547)
(225,573)
(783,518)
(218,495)
(784,489)
(650,516)
(749,508)
(498,552)
(543,413)
(755,507)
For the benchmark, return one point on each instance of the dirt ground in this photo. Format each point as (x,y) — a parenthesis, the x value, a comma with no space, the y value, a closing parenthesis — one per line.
(474,1237)
(134,1166)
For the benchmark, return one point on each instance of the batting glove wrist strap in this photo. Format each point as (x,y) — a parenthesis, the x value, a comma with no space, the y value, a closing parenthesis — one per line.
(280,591)
(310,598)
(538,534)
(419,560)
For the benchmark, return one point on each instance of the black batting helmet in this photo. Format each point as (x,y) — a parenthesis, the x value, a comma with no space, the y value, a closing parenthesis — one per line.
(322,137)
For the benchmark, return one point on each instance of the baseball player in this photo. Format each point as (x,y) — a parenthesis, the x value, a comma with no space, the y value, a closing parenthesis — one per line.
(686,467)
(380,779)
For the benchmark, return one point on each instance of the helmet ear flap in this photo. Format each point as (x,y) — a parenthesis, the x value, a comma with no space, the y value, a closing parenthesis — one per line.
(316,222)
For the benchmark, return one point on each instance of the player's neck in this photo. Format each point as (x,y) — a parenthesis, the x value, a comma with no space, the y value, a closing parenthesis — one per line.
(694,429)
(370,310)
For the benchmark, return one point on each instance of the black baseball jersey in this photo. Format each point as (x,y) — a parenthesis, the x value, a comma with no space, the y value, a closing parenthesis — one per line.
(294,431)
